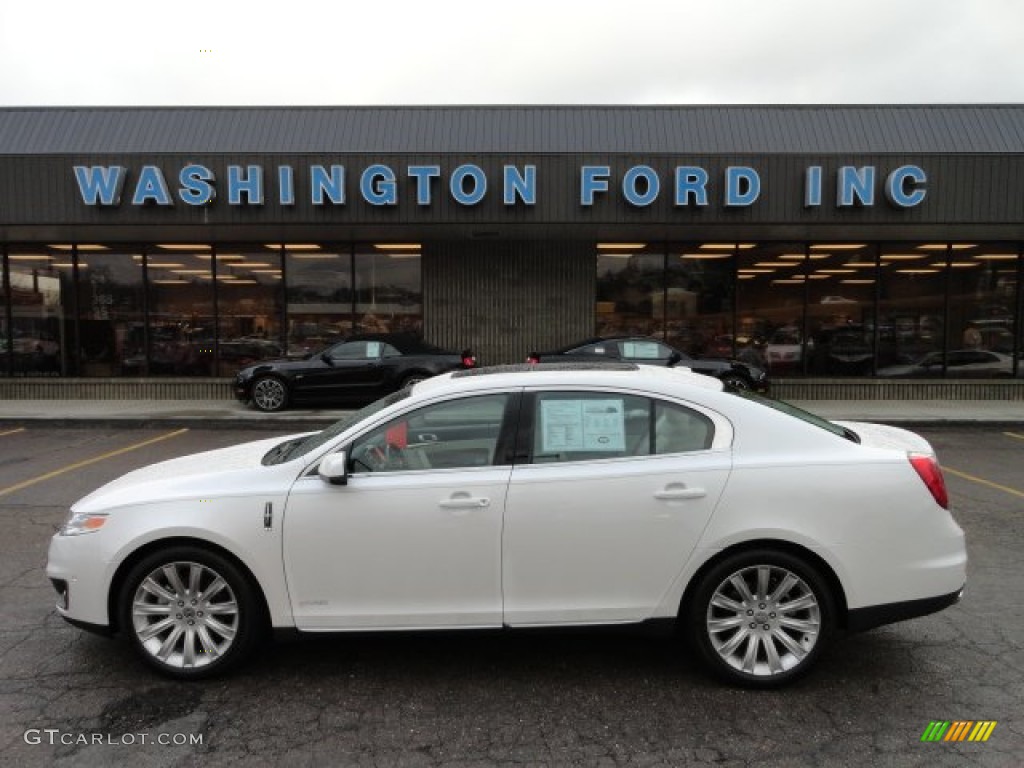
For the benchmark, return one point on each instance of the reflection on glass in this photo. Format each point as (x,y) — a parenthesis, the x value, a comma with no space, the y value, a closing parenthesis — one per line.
(250,293)
(181,328)
(911,308)
(319,293)
(111,334)
(983,289)
(631,293)
(699,301)
(39,283)
(389,293)
(841,310)
(770,285)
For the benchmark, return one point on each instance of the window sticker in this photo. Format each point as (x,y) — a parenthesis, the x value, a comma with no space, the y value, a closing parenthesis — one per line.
(641,350)
(582,425)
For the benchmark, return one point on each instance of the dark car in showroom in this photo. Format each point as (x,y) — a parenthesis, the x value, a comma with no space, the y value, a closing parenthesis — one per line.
(646,350)
(359,369)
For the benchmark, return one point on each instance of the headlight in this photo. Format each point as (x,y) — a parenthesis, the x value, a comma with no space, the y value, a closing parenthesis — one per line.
(82,522)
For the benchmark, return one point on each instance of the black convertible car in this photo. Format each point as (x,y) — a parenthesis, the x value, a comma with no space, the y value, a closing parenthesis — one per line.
(357,370)
(644,349)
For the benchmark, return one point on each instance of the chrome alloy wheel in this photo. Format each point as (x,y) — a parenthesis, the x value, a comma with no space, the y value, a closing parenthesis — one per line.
(269,394)
(763,620)
(185,615)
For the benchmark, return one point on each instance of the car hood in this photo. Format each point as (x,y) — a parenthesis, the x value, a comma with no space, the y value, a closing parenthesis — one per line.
(188,476)
(284,364)
(885,436)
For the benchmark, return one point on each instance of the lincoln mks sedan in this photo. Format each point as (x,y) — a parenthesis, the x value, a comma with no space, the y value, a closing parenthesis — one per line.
(562,495)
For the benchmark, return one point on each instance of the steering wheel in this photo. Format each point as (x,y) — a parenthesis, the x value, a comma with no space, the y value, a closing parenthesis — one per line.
(385,457)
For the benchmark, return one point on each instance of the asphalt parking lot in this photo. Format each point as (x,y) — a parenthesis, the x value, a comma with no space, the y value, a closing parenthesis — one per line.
(588,699)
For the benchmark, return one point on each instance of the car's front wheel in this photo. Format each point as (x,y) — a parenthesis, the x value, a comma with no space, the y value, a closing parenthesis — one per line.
(269,394)
(761,618)
(190,612)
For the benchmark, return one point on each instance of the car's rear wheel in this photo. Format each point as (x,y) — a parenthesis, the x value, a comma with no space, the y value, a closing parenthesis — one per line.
(269,394)
(190,612)
(761,618)
(413,378)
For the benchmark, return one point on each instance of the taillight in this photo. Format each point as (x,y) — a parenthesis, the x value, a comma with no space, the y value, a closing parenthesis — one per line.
(468,361)
(931,473)
(533,358)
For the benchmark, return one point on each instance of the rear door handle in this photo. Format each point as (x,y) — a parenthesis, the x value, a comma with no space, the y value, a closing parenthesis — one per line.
(676,492)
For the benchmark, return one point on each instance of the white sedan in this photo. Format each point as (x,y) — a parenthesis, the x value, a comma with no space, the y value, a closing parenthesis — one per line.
(525,496)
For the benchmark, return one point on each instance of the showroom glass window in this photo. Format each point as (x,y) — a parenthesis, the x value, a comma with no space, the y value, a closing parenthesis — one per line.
(771,282)
(983,292)
(111,322)
(841,281)
(699,299)
(250,297)
(630,289)
(319,285)
(40,309)
(389,288)
(911,310)
(181,310)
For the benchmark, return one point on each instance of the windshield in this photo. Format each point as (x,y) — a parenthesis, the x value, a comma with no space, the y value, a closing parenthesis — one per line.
(799,413)
(299,446)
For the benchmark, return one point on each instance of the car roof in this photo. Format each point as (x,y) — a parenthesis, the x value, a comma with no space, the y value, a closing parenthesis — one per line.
(628,375)
(605,339)
(406,343)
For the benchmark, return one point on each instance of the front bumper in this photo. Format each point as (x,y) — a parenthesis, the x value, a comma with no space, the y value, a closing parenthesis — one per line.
(76,569)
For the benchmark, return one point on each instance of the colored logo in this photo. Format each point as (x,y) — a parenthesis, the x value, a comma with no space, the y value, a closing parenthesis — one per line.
(958,730)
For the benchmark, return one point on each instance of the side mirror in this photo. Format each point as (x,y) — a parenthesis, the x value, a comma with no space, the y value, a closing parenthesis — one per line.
(326,358)
(334,469)
(674,359)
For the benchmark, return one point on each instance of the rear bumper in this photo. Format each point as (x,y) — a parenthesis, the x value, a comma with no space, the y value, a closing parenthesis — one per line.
(860,619)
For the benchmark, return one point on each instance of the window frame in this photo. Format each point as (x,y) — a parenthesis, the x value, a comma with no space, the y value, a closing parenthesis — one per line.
(721,438)
(503,450)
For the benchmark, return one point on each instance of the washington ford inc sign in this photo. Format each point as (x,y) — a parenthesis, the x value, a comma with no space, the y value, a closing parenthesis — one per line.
(467,185)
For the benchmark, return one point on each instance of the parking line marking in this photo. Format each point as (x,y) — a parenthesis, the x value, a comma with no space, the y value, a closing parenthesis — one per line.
(983,481)
(22,429)
(87,462)
(1014,434)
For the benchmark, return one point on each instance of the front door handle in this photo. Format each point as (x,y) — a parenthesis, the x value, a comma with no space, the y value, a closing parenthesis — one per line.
(465,501)
(678,491)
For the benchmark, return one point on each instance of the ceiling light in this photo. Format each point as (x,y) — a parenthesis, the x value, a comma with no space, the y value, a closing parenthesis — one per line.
(902,256)
(81,247)
(995,256)
(857,281)
(292,246)
(727,246)
(705,256)
(30,257)
(183,247)
(944,246)
(838,246)
(412,246)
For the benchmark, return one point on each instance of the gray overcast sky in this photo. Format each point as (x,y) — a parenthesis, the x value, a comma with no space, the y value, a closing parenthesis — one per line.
(315,52)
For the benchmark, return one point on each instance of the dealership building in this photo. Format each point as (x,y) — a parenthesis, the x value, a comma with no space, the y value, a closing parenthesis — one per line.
(826,243)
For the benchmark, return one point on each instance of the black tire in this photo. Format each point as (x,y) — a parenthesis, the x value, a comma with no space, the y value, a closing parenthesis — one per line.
(770,636)
(735,381)
(190,613)
(270,394)
(413,378)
